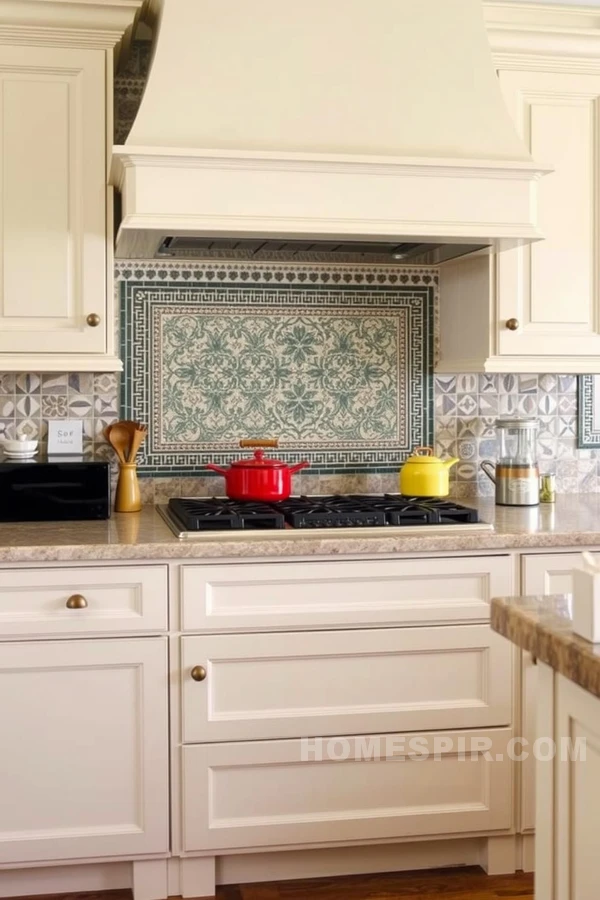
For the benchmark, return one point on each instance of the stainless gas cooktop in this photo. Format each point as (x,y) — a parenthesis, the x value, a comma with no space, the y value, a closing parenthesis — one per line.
(321,516)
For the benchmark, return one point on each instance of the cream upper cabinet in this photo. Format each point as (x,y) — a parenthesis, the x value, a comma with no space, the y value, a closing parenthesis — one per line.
(53,200)
(551,287)
(56,287)
(537,308)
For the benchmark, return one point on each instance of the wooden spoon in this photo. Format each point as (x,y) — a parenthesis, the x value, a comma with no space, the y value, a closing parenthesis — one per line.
(139,436)
(119,439)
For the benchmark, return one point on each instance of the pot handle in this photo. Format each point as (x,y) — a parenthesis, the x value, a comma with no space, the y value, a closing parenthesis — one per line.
(259,442)
(298,466)
(216,468)
(489,468)
(423,451)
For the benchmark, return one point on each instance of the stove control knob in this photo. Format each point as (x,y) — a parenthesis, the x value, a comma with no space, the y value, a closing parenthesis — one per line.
(198,673)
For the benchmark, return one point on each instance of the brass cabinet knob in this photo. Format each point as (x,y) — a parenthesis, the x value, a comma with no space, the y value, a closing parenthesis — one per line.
(512,324)
(198,673)
(93,320)
(76,601)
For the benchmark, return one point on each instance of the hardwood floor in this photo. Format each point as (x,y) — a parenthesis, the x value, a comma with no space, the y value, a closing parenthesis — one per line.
(450,884)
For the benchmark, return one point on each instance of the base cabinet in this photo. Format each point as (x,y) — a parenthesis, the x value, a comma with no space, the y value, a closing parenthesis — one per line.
(84,749)
(577,785)
(541,573)
(568,819)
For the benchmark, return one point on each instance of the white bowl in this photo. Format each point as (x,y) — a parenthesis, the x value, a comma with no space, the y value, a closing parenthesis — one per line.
(20,447)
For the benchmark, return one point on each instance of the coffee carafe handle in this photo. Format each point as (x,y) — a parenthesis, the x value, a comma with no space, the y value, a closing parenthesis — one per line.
(489,468)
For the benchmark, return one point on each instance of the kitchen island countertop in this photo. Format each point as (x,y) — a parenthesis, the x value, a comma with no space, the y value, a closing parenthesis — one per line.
(574,521)
(543,626)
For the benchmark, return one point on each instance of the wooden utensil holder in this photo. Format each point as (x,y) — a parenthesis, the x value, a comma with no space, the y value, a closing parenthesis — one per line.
(128,497)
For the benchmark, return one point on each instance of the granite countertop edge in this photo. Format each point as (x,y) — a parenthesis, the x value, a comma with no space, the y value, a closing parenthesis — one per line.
(300,547)
(542,626)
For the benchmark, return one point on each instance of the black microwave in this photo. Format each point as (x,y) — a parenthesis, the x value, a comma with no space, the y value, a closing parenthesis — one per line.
(52,490)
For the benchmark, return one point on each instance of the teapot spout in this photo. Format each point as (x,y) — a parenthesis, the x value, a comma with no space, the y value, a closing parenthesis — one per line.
(448,463)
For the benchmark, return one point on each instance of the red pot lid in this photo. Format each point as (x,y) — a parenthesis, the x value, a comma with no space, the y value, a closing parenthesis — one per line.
(259,461)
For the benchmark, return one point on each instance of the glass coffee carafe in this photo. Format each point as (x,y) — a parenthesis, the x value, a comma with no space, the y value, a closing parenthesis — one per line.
(517,441)
(516,474)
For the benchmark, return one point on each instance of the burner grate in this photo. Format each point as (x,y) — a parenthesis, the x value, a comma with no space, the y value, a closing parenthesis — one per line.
(215,514)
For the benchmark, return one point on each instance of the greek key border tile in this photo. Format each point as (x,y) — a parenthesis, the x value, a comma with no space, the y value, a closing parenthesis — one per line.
(588,423)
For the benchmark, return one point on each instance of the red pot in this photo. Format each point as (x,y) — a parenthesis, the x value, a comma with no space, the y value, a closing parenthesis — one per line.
(258,477)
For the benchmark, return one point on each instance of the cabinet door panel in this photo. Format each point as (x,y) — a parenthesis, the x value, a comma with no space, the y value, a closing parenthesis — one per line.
(340,682)
(83,755)
(53,199)
(276,793)
(551,286)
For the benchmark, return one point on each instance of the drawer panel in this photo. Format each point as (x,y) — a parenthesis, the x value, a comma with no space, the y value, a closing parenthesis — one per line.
(341,593)
(125,599)
(279,792)
(341,682)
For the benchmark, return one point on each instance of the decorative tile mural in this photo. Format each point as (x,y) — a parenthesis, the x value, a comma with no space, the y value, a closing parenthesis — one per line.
(335,361)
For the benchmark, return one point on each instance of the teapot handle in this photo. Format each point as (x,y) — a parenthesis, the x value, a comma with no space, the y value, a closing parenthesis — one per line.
(489,468)
(423,451)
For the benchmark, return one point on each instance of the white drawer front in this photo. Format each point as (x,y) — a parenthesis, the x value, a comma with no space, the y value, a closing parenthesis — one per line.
(263,793)
(125,599)
(340,682)
(341,593)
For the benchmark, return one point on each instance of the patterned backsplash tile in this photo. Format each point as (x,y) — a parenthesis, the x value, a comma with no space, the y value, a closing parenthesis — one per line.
(468,405)
(335,361)
(380,327)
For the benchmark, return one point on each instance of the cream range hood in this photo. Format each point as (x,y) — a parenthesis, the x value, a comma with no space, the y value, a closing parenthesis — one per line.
(325,123)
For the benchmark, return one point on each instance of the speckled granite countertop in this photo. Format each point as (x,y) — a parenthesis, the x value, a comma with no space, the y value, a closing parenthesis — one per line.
(574,521)
(542,625)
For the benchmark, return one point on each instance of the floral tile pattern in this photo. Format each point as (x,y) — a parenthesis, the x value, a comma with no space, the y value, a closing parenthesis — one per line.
(335,361)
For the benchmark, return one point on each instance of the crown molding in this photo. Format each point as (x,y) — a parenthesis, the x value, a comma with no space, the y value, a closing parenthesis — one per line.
(543,36)
(98,24)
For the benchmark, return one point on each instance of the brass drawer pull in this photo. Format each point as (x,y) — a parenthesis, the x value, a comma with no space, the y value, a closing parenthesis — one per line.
(76,601)
(512,324)
(93,320)
(198,673)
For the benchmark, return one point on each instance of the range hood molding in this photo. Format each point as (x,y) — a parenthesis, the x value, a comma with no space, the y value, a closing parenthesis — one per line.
(177,191)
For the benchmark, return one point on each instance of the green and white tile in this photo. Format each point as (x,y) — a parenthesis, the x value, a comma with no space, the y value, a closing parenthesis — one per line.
(335,361)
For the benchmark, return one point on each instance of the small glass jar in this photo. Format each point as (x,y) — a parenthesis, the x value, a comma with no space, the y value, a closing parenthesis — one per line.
(548,488)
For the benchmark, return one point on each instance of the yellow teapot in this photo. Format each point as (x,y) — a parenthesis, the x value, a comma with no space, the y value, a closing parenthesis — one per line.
(425,475)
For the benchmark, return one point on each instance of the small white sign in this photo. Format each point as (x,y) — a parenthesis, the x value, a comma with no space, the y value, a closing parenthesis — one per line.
(65,436)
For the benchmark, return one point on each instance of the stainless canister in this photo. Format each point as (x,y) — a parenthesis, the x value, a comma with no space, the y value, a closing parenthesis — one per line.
(516,474)
(518,485)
